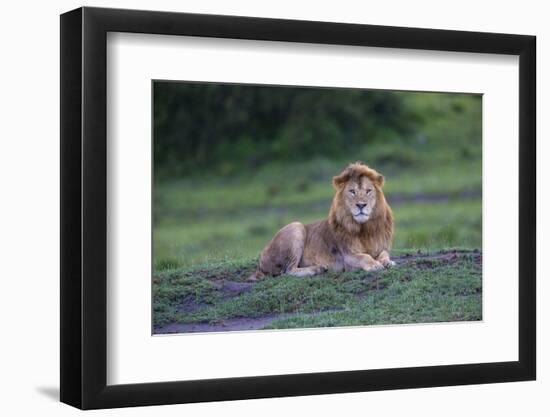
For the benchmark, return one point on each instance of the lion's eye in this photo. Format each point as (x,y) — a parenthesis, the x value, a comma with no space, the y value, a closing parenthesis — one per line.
(352,192)
(369,190)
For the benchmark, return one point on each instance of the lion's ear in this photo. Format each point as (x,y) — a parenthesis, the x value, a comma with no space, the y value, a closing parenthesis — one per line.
(380,180)
(341,180)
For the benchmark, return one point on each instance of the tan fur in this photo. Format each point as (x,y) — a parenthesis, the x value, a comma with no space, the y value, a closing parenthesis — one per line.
(357,234)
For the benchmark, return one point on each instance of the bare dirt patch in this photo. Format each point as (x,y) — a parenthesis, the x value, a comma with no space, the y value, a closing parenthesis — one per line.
(234,324)
(428,261)
(240,323)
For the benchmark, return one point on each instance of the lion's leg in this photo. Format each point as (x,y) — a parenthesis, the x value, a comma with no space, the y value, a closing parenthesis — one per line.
(307,271)
(296,249)
(384,259)
(361,261)
(284,253)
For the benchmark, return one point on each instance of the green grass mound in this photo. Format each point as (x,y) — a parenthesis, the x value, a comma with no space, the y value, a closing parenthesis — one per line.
(422,288)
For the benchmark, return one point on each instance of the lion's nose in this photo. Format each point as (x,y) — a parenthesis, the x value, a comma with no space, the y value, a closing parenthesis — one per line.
(360,206)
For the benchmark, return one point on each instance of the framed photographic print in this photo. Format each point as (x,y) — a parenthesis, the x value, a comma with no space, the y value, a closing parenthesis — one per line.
(257,207)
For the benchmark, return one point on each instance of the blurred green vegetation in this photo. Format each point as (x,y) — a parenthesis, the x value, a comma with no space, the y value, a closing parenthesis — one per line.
(235,163)
(224,128)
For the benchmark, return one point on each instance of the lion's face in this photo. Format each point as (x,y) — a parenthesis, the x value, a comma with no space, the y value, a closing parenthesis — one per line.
(358,189)
(359,198)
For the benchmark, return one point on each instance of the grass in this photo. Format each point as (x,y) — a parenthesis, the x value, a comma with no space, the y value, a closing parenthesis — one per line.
(285,186)
(203,239)
(419,290)
(442,294)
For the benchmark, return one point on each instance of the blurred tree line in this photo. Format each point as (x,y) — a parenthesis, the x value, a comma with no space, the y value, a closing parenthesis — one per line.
(230,128)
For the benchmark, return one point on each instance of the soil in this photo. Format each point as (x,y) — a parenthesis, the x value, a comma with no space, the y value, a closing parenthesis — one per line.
(446,257)
(240,323)
(226,325)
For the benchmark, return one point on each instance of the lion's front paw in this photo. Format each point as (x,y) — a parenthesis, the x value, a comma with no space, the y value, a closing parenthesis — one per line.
(388,263)
(373,266)
(320,269)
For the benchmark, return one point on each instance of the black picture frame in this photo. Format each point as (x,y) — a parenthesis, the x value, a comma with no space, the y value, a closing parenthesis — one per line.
(84,207)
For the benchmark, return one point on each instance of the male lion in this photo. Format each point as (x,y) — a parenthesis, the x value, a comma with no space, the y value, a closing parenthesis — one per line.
(357,234)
